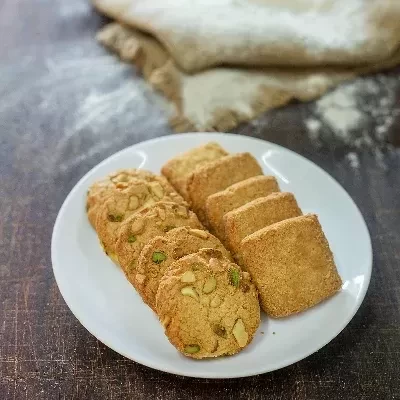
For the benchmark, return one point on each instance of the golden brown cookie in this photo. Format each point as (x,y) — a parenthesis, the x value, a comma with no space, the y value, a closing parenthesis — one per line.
(235,196)
(125,202)
(161,251)
(292,265)
(257,214)
(140,228)
(179,168)
(218,175)
(101,190)
(207,305)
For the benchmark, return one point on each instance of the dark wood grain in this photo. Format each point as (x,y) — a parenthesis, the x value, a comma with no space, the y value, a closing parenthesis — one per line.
(65,105)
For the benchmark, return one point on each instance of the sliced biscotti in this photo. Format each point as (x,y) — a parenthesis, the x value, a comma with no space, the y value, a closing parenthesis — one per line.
(207,305)
(179,168)
(291,264)
(162,251)
(218,175)
(257,214)
(235,196)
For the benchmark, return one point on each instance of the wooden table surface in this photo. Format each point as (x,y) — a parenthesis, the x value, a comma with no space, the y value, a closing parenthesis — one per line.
(65,105)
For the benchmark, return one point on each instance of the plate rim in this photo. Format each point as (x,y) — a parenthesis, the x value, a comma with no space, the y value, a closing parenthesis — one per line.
(213,136)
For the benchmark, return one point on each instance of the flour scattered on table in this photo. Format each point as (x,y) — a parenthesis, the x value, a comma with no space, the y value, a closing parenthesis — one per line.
(358,114)
(353,160)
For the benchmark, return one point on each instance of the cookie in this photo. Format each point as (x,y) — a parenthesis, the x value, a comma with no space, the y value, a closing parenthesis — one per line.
(235,196)
(257,214)
(179,168)
(292,265)
(125,202)
(161,251)
(135,232)
(101,190)
(207,305)
(218,175)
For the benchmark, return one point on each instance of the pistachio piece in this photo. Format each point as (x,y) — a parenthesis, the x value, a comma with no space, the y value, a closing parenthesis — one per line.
(131,238)
(245,275)
(240,334)
(133,203)
(216,301)
(214,263)
(210,285)
(188,277)
(140,278)
(219,330)
(234,277)
(115,217)
(189,291)
(161,213)
(165,322)
(169,227)
(158,257)
(192,348)
(157,190)
(199,233)
(137,226)
(182,212)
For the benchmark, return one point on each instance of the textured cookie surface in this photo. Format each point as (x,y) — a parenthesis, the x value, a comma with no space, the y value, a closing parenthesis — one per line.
(141,227)
(292,265)
(102,189)
(235,196)
(218,175)
(207,305)
(162,251)
(258,214)
(179,168)
(125,202)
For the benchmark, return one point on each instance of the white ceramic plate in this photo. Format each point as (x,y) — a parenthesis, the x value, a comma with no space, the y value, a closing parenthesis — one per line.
(107,305)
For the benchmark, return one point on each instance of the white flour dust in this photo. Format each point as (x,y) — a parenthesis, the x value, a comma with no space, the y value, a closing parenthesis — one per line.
(358,114)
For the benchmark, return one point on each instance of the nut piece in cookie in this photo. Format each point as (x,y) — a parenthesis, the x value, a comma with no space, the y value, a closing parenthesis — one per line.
(218,175)
(235,196)
(258,214)
(162,251)
(208,306)
(292,265)
(136,231)
(125,202)
(179,168)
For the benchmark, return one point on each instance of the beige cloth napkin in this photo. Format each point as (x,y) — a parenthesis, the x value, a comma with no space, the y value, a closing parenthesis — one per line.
(222,62)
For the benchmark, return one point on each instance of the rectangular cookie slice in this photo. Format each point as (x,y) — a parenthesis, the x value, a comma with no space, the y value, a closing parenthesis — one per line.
(257,214)
(218,175)
(292,265)
(179,168)
(235,196)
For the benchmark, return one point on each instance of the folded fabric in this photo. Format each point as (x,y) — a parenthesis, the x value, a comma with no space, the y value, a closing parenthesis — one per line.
(267,51)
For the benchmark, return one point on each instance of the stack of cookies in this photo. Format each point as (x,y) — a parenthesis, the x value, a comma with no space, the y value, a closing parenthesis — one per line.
(206,284)
(285,252)
(208,306)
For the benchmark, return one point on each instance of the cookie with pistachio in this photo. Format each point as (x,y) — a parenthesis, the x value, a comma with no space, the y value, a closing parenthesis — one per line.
(136,231)
(208,306)
(162,251)
(126,202)
(103,189)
